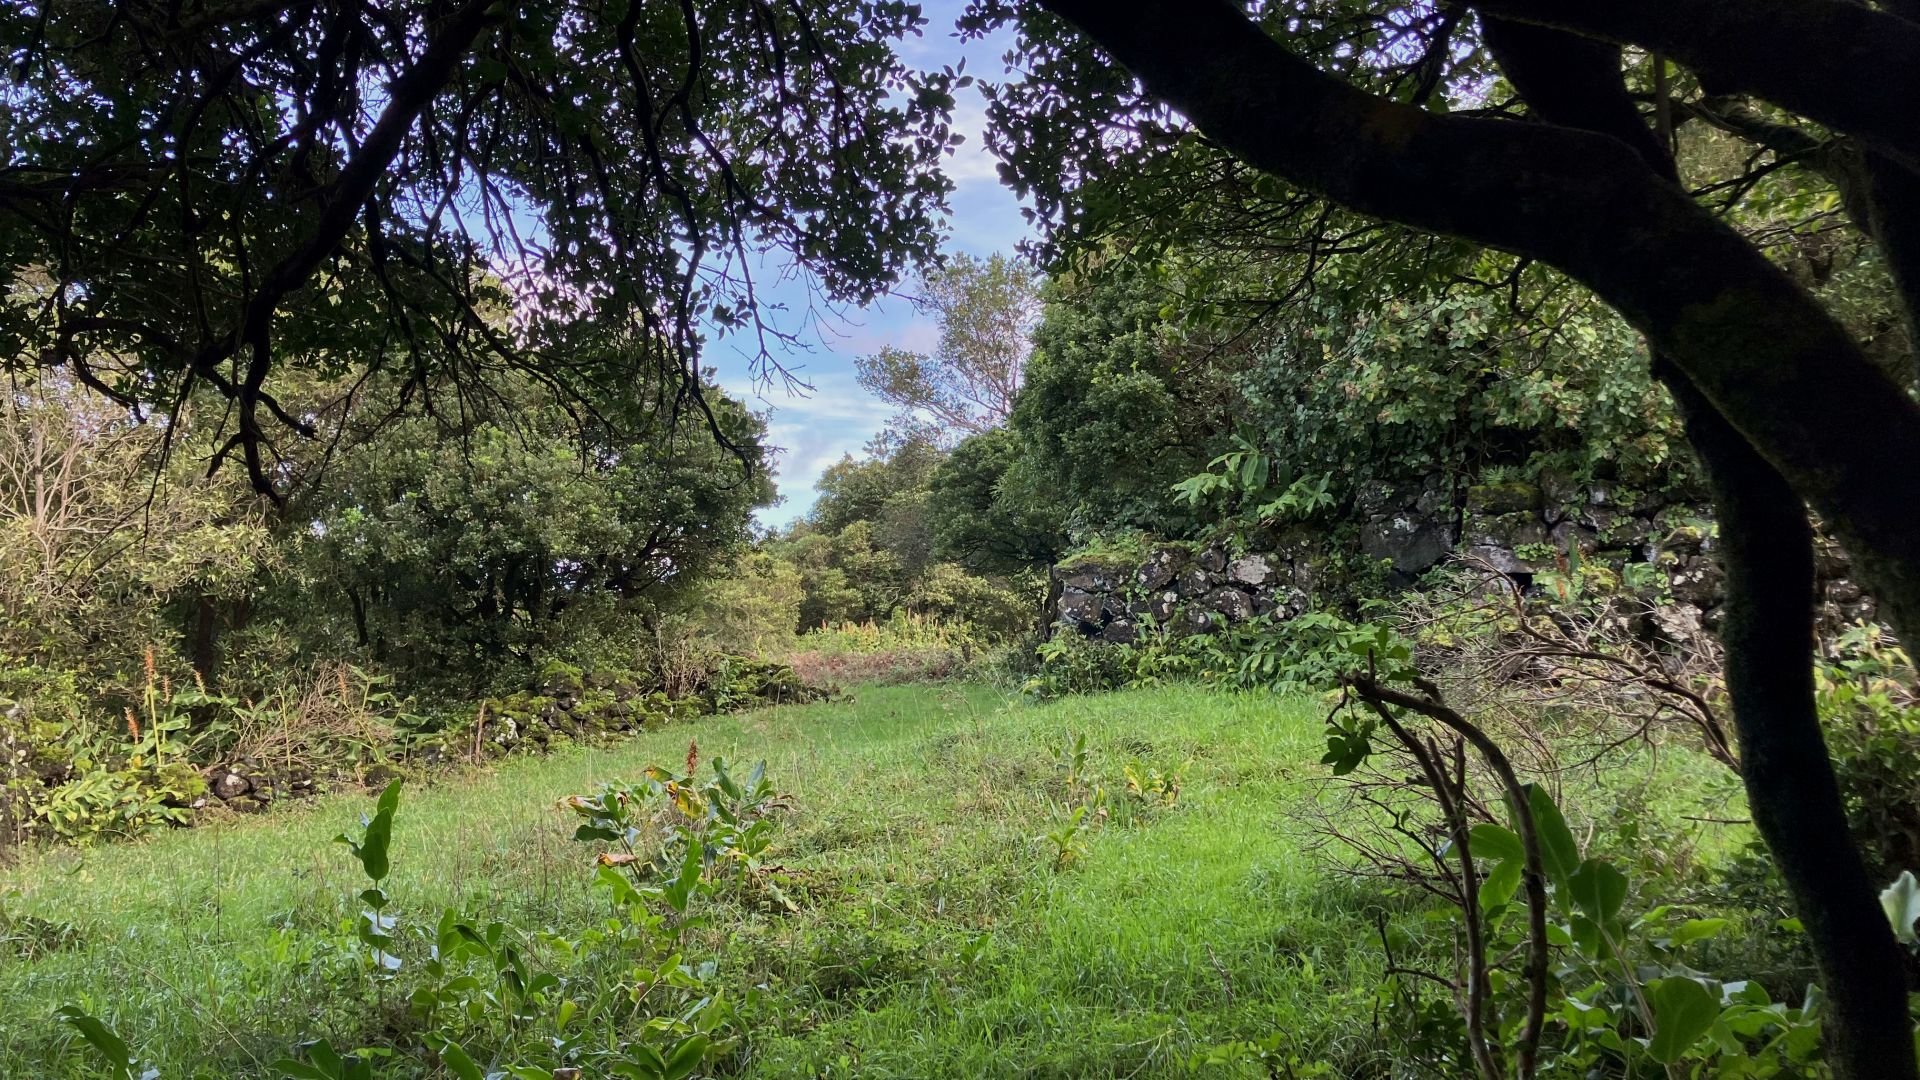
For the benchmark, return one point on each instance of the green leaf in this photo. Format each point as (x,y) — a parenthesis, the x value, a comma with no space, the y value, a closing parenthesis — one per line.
(1346,749)
(109,1045)
(1587,938)
(1901,901)
(371,848)
(1490,841)
(1683,1010)
(1598,889)
(643,1063)
(686,1057)
(679,891)
(1559,854)
(1696,930)
(458,1061)
(1501,884)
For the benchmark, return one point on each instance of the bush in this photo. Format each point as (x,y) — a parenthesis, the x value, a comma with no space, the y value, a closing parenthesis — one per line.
(1872,716)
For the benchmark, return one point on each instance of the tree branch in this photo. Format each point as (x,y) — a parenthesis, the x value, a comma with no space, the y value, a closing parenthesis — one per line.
(1761,350)
(1846,65)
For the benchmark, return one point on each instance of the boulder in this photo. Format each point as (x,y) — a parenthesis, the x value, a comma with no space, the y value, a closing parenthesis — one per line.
(1119,632)
(1197,620)
(1232,603)
(1159,570)
(1291,602)
(1213,560)
(1195,581)
(1499,557)
(1843,591)
(1163,605)
(1079,605)
(230,785)
(1570,534)
(379,775)
(1829,561)
(1698,580)
(1503,530)
(1252,570)
(1090,577)
(1410,542)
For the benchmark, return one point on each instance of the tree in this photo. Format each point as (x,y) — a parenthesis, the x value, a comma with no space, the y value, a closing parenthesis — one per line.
(1120,403)
(860,490)
(203,197)
(455,551)
(1783,407)
(105,551)
(986,512)
(986,309)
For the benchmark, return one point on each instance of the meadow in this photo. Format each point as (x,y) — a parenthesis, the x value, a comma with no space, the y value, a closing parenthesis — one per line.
(937,932)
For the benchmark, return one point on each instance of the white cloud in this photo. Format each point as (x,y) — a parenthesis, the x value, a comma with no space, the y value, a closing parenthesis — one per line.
(971,162)
(812,430)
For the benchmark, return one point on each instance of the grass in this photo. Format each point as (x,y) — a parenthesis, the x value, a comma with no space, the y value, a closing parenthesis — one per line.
(935,936)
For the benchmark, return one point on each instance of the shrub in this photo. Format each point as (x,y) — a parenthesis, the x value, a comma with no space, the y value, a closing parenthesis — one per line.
(1864,683)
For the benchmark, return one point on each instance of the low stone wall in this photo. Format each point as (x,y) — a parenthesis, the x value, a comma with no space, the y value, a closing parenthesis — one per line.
(1175,585)
(1518,529)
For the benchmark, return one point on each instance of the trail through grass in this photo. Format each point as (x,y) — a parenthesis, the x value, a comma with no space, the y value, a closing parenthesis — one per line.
(935,937)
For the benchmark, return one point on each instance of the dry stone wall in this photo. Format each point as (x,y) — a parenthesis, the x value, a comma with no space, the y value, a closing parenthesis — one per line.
(1519,529)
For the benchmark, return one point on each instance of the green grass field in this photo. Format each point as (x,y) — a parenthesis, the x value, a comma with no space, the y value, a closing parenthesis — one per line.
(935,936)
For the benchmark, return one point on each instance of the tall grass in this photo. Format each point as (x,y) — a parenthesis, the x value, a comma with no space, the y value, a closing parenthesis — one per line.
(905,648)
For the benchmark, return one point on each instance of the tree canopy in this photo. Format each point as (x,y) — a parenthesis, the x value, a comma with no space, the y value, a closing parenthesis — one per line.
(200,196)
(985,308)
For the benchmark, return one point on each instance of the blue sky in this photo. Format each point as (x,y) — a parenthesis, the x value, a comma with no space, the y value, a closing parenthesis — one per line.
(814,429)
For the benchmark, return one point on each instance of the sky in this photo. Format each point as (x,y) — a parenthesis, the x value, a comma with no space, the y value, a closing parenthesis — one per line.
(814,429)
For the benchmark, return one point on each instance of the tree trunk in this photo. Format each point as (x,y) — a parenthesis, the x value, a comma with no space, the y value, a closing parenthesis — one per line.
(1766,549)
(1766,546)
(204,645)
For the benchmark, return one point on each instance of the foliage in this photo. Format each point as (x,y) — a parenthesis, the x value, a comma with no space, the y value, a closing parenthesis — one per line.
(1383,389)
(753,604)
(967,386)
(879,544)
(334,242)
(671,821)
(906,648)
(1119,405)
(864,490)
(1621,990)
(451,555)
(985,510)
(104,543)
(475,990)
(1864,686)
(1304,653)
